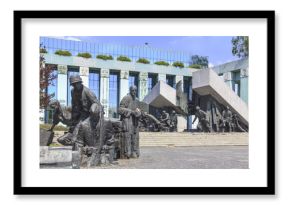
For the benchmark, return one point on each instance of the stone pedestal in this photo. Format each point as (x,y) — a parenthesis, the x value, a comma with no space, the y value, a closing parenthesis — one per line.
(59,157)
(104,90)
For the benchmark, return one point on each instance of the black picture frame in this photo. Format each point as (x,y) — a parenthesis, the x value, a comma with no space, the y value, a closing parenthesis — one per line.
(21,190)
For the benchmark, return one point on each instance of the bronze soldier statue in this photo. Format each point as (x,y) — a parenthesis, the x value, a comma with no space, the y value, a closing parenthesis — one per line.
(173,119)
(130,114)
(227,120)
(165,120)
(95,137)
(82,100)
(203,123)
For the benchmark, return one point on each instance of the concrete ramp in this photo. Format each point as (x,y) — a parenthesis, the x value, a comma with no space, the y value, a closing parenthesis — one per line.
(207,82)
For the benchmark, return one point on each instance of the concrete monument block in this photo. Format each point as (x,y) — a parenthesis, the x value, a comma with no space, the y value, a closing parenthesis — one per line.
(55,157)
(161,95)
(181,123)
(207,82)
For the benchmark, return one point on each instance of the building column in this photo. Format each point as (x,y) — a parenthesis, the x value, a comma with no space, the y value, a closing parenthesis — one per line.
(143,85)
(190,117)
(244,84)
(62,85)
(84,73)
(162,76)
(104,90)
(124,83)
(179,78)
(228,78)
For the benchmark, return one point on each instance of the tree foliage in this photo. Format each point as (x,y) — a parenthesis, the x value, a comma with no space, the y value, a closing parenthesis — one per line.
(46,78)
(240,46)
(199,60)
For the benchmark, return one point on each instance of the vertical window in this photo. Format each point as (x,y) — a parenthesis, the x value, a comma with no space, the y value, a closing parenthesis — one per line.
(170,80)
(187,86)
(70,72)
(94,82)
(133,80)
(152,80)
(113,95)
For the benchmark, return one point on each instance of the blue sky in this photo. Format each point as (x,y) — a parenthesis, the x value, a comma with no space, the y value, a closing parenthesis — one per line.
(217,48)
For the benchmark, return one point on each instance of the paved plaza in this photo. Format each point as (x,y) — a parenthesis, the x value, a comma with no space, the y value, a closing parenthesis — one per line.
(200,157)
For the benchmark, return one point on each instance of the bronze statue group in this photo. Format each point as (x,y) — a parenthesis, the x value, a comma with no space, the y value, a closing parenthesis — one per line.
(227,122)
(102,141)
(94,136)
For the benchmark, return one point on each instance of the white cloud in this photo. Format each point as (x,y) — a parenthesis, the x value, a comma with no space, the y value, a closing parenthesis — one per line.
(72,38)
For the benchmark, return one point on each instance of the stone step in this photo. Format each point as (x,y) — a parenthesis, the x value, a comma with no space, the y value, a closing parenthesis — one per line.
(189,139)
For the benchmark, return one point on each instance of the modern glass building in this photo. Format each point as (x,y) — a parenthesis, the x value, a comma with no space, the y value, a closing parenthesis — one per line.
(110,79)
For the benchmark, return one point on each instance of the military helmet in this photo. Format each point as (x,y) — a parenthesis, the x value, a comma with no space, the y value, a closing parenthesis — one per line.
(74,79)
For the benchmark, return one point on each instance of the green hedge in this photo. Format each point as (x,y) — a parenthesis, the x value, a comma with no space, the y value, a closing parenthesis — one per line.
(143,60)
(42,50)
(161,63)
(62,53)
(178,64)
(104,57)
(195,66)
(124,58)
(84,55)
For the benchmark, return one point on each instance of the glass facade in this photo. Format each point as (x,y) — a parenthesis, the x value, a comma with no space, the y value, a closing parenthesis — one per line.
(133,52)
(114,80)
(70,72)
(94,82)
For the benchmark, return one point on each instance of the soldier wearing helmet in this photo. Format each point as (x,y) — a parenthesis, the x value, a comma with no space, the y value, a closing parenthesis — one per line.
(82,100)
